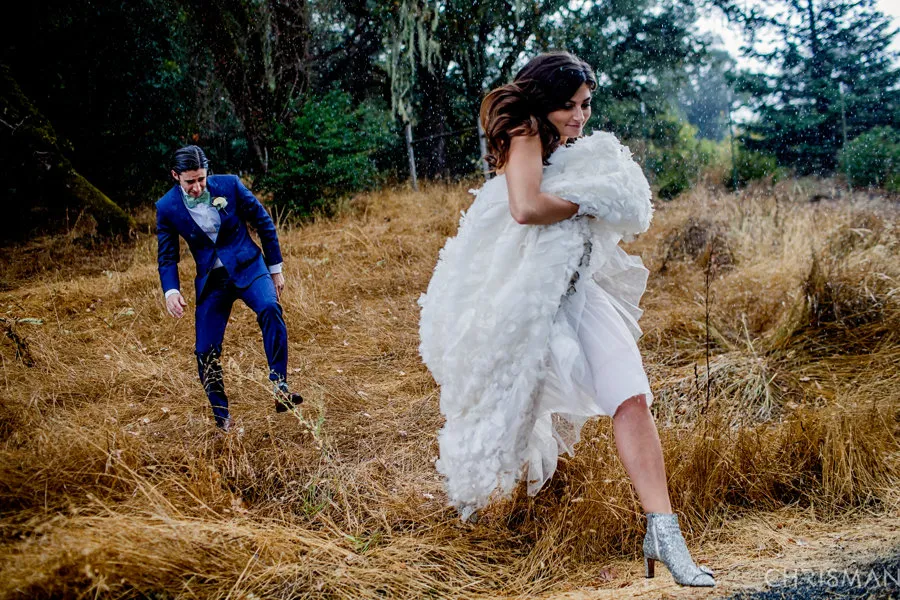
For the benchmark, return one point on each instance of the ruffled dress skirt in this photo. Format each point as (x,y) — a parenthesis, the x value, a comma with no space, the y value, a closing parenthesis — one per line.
(594,362)
(531,330)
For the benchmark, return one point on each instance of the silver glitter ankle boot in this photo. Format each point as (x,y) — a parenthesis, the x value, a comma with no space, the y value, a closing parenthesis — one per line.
(664,543)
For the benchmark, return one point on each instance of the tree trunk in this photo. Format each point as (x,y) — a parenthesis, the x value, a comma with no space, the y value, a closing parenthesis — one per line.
(42,181)
(261,55)
(432,153)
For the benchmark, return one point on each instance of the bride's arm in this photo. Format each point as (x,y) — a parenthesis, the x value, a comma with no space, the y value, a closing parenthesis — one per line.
(527,203)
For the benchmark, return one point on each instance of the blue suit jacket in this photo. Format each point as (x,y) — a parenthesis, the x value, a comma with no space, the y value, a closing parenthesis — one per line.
(241,256)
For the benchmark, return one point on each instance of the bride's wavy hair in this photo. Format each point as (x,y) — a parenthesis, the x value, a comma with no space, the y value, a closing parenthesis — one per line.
(544,85)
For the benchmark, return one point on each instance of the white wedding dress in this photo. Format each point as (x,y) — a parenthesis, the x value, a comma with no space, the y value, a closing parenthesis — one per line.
(531,329)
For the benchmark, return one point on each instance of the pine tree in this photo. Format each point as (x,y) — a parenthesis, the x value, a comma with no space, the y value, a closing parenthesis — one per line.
(832,77)
(705,99)
(640,50)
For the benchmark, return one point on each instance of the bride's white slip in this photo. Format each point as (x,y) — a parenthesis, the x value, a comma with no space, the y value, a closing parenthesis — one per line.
(531,330)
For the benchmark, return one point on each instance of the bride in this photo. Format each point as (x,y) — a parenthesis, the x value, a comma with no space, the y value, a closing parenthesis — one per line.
(529,324)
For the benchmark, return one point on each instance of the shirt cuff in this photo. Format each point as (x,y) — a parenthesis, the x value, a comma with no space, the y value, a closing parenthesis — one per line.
(172,291)
(275,268)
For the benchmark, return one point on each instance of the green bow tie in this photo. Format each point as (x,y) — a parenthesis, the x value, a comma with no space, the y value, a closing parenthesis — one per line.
(193,202)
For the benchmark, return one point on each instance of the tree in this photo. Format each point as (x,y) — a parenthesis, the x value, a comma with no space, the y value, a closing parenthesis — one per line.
(260,54)
(346,45)
(328,151)
(117,84)
(485,39)
(640,50)
(705,98)
(833,78)
(482,43)
(416,68)
(30,149)
(873,159)
(443,55)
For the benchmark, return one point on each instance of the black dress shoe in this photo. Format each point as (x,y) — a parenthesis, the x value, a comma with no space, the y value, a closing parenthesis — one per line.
(288,402)
(285,400)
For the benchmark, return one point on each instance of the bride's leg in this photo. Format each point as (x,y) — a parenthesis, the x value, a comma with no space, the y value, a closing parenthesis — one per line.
(640,451)
(638,443)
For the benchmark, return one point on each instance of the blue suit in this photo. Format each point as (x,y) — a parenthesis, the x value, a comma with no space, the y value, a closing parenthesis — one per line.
(245,276)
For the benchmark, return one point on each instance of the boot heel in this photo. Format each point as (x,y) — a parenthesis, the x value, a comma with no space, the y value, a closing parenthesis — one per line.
(665,543)
(649,567)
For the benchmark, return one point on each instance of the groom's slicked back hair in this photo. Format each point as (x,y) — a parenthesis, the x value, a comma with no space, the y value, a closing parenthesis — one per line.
(189,158)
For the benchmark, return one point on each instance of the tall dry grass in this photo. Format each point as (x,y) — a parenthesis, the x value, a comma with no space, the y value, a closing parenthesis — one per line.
(114,482)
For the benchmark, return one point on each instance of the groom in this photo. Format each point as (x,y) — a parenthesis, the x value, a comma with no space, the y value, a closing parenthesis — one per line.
(212,213)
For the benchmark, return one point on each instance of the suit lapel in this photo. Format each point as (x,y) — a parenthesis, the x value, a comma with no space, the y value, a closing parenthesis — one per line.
(215,192)
(226,214)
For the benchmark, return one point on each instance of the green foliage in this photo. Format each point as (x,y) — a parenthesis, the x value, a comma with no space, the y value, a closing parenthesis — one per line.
(410,47)
(676,161)
(830,70)
(640,50)
(329,150)
(750,165)
(873,159)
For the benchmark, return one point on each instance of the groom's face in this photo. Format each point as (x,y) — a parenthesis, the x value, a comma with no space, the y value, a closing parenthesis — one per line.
(192,182)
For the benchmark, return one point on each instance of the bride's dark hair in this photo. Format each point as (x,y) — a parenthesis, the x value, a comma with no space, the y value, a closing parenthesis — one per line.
(544,85)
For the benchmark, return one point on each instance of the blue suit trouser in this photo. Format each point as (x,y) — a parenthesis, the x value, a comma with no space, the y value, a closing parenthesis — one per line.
(212,313)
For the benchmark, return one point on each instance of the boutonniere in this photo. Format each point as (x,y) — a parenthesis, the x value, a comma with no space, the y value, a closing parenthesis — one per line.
(220,202)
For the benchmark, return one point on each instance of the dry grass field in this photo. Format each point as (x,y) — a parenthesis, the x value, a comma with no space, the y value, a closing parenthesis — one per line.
(772,338)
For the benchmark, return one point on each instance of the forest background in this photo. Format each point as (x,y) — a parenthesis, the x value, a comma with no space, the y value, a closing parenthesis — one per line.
(310,99)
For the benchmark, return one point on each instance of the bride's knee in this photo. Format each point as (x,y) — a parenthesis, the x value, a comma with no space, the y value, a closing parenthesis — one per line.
(634,405)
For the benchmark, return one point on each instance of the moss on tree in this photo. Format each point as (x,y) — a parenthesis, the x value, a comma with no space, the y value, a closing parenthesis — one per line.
(41,181)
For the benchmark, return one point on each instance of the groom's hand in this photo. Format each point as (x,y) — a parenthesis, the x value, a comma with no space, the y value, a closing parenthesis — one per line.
(278,280)
(175,304)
